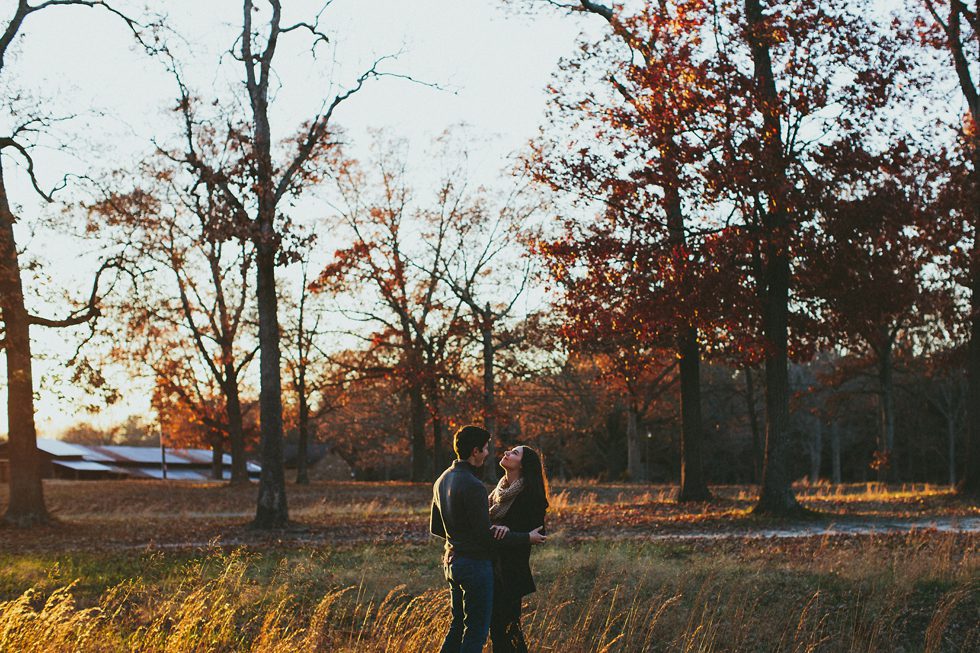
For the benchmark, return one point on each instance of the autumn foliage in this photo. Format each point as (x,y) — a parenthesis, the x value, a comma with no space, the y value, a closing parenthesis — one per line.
(740,246)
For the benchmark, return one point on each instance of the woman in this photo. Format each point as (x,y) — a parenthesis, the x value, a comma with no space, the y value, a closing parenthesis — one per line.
(518,504)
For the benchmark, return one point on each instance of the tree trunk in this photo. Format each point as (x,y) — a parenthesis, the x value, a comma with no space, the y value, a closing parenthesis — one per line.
(438,460)
(612,455)
(25,505)
(835,452)
(951,444)
(970,483)
(302,447)
(634,459)
(417,421)
(816,451)
(272,511)
(302,453)
(217,457)
(754,425)
(776,496)
(489,398)
(959,48)
(236,427)
(886,404)
(693,485)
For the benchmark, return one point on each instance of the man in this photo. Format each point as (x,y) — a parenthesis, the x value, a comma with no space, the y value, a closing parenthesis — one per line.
(460,515)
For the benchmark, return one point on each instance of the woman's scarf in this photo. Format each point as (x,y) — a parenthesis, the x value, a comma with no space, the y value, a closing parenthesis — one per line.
(502,497)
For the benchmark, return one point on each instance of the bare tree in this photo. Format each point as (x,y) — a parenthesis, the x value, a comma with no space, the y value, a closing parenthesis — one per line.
(26,504)
(484,271)
(414,323)
(178,226)
(314,379)
(275,175)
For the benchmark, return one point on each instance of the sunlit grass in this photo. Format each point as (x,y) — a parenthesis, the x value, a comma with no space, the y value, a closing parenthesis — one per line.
(363,509)
(915,593)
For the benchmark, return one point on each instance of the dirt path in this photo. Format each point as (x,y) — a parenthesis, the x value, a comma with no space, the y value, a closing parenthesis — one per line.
(795,531)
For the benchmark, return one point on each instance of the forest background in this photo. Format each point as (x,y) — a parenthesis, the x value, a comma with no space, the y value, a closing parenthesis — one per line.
(725,243)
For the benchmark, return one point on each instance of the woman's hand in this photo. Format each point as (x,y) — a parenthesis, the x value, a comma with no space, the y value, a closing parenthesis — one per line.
(536,536)
(499,531)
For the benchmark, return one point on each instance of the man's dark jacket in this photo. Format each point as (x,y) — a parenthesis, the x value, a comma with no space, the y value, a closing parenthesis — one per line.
(514,563)
(461,515)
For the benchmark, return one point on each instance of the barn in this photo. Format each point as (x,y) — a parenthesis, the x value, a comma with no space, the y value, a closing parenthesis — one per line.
(87,462)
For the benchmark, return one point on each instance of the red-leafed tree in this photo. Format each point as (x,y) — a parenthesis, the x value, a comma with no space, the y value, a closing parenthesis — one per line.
(623,302)
(190,413)
(748,91)
(365,425)
(562,404)
(634,366)
(797,51)
(799,76)
(866,272)
(639,130)
(950,29)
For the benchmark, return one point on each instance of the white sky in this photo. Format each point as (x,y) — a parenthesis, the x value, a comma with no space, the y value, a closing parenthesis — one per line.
(492,63)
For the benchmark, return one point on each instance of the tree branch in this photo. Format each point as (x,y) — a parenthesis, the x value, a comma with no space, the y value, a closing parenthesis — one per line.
(6,142)
(313,29)
(90,310)
(24,9)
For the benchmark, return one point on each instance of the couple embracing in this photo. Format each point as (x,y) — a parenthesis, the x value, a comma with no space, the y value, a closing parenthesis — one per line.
(488,541)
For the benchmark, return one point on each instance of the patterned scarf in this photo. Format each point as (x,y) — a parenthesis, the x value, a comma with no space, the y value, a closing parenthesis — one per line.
(502,497)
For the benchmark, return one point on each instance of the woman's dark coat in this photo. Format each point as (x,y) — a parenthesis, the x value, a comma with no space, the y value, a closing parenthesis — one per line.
(513,565)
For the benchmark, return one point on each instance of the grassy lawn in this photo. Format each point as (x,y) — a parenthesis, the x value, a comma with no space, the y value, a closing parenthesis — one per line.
(154,566)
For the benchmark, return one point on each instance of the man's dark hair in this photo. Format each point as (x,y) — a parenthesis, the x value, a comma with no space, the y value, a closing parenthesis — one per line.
(468,438)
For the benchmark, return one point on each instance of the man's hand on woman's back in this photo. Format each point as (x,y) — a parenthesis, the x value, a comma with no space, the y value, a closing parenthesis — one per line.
(536,536)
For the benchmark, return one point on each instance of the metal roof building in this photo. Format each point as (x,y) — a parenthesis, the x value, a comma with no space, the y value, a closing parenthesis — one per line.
(76,461)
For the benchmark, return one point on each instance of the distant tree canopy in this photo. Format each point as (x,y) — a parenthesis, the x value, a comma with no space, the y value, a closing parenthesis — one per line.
(135,431)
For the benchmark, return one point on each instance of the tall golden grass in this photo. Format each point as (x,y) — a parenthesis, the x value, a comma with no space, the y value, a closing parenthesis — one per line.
(593,598)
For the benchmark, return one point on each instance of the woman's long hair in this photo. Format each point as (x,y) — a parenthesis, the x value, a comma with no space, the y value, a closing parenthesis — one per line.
(535,480)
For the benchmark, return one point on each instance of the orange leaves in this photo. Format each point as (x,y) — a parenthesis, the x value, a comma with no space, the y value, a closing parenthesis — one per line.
(333,276)
(133,209)
(183,420)
(969,126)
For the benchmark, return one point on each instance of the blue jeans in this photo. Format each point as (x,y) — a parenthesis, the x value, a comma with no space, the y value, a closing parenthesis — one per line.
(471,589)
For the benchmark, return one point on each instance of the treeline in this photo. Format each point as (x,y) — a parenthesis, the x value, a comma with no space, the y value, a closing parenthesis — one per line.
(741,247)
(579,418)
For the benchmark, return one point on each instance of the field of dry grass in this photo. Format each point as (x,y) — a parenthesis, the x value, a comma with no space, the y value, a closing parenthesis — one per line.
(172,567)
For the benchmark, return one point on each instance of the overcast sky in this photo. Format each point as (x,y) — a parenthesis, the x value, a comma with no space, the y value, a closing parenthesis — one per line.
(490,63)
